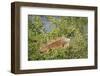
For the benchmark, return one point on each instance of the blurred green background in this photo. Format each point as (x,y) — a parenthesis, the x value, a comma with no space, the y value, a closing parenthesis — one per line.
(42,29)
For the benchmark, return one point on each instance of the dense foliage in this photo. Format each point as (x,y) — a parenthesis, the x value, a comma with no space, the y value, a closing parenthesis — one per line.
(42,29)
